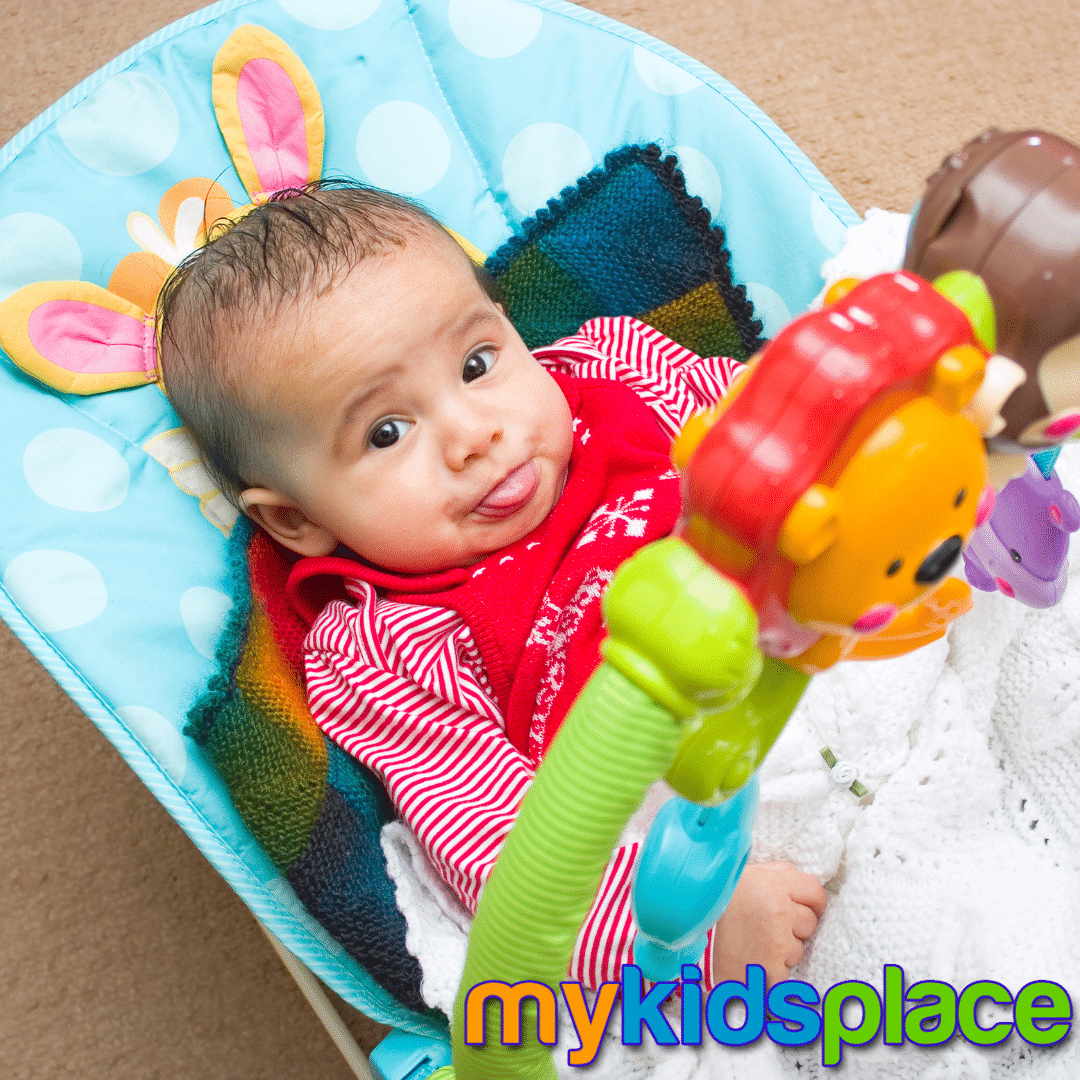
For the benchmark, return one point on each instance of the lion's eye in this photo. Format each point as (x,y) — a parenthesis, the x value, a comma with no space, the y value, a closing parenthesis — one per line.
(961,495)
(894,567)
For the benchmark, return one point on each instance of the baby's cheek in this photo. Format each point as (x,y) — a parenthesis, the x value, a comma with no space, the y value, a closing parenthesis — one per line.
(563,424)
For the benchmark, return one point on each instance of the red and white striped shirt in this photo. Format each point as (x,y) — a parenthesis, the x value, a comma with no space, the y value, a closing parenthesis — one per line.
(452,695)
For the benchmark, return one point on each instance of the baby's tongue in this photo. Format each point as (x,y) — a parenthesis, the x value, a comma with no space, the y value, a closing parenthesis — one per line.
(516,488)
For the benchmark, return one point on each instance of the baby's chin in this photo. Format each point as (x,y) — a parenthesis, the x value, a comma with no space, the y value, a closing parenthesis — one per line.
(506,537)
(496,536)
(468,551)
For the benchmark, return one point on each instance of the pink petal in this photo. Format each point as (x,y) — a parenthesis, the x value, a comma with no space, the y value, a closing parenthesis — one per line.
(86,338)
(273,121)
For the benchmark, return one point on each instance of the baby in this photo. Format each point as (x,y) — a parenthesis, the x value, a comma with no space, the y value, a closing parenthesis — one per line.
(354,383)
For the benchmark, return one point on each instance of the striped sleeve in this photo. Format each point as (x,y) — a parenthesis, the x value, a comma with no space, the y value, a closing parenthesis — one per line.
(606,939)
(674,382)
(399,687)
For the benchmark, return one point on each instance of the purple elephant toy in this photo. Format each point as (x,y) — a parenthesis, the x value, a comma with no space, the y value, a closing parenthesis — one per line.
(1022,549)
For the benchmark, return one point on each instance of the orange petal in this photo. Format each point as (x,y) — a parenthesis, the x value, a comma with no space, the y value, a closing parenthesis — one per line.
(210,192)
(138,277)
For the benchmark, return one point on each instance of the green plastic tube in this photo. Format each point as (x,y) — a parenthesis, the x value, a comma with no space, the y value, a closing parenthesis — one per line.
(614,743)
(683,639)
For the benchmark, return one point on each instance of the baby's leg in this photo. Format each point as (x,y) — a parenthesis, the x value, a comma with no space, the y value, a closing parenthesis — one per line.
(772,912)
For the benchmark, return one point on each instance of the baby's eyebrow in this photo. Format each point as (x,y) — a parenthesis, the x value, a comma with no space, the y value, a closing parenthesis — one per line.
(356,407)
(474,318)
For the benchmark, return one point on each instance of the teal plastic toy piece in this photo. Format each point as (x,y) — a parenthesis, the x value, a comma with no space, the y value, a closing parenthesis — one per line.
(1046,459)
(688,868)
(696,850)
(402,1056)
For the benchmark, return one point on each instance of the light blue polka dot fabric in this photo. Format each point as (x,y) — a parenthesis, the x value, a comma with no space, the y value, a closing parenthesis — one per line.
(483,109)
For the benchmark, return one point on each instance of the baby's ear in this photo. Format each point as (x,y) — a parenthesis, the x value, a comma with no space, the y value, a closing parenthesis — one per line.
(286,522)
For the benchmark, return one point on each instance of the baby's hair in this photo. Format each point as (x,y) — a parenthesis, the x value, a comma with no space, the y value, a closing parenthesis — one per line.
(294,247)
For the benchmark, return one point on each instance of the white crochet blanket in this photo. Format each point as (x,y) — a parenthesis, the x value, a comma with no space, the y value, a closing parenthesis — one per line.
(963,863)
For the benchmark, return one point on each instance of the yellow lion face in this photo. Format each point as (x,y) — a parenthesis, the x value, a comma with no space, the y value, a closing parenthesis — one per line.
(889,528)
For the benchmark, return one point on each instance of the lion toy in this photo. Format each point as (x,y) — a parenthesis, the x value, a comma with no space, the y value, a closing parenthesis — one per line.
(839,480)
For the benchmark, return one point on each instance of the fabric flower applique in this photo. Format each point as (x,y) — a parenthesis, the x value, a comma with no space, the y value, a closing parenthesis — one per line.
(79,338)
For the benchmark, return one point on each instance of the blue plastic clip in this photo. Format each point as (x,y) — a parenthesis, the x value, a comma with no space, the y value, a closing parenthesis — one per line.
(1046,460)
(401,1056)
(689,866)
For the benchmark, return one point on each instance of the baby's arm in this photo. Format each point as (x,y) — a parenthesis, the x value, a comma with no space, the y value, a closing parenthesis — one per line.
(772,912)
(451,771)
(673,381)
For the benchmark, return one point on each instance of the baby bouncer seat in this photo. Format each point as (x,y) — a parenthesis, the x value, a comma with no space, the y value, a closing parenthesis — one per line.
(115,545)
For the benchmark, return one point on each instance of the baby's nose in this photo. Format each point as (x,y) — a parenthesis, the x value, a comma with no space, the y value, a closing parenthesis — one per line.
(469,435)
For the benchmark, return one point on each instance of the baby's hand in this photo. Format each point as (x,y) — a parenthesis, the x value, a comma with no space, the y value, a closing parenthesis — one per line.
(773,910)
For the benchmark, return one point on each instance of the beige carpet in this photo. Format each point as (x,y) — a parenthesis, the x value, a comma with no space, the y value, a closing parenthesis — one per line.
(123,956)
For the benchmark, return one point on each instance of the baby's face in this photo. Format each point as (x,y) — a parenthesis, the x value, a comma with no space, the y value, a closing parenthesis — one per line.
(420,431)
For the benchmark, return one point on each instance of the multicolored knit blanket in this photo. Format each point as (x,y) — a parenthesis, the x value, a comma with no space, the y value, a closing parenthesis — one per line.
(627,240)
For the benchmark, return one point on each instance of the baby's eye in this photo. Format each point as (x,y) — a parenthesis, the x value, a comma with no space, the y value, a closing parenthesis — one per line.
(387,432)
(480,363)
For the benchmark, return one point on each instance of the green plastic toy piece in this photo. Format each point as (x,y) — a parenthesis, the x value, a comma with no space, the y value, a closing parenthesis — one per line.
(686,636)
(680,631)
(721,752)
(969,293)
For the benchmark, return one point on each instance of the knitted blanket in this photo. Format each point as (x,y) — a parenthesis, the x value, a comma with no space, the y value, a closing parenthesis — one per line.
(962,863)
(312,807)
(627,240)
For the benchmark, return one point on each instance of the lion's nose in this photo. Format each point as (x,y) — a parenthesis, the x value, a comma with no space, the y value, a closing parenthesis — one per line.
(939,562)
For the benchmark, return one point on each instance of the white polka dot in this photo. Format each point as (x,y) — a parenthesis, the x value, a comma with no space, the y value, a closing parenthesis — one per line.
(71,468)
(34,247)
(540,161)
(204,612)
(126,126)
(768,307)
(662,75)
(701,176)
(56,589)
(494,28)
(331,14)
(829,228)
(160,738)
(402,147)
